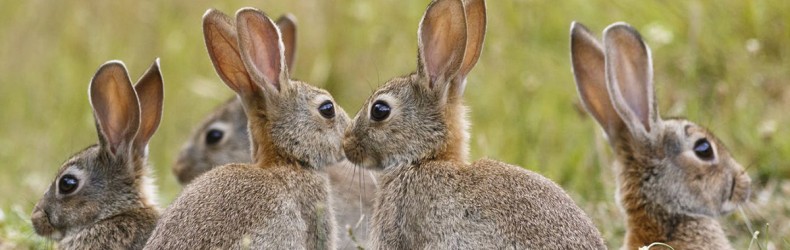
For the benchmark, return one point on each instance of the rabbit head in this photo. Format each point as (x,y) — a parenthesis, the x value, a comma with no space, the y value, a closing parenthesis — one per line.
(289,121)
(421,116)
(222,137)
(108,178)
(666,166)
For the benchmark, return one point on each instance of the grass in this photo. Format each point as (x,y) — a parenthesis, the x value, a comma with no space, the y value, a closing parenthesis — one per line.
(723,64)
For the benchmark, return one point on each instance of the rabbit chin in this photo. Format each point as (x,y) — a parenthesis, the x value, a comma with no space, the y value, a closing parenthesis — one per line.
(367,163)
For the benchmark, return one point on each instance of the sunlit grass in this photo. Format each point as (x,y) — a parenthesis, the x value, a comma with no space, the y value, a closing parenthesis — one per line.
(723,64)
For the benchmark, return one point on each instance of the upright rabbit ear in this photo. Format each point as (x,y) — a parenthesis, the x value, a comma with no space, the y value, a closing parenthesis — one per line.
(287,25)
(629,74)
(150,93)
(441,42)
(475,11)
(262,50)
(115,107)
(589,71)
(220,36)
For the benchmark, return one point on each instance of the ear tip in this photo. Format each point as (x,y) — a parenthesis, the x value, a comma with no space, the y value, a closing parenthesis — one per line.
(213,15)
(156,65)
(113,64)
(247,14)
(619,28)
(245,11)
(111,67)
(213,18)
(287,17)
(577,28)
(209,12)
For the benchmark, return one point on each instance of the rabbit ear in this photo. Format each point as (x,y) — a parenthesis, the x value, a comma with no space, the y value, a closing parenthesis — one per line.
(475,11)
(262,50)
(150,93)
(115,107)
(589,71)
(629,74)
(220,36)
(287,26)
(442,42)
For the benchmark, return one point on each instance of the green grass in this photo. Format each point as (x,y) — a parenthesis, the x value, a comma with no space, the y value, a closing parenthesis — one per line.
(723,64)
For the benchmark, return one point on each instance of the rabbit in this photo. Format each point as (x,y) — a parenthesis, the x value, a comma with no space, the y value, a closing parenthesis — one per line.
(222,138)
(413,131)
(282,199)
(103,196)
(673,176)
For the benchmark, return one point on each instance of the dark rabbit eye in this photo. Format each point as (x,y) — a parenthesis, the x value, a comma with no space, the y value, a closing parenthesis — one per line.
(327,110)
(213,136)
(380,111)
(67,184)
(703,149)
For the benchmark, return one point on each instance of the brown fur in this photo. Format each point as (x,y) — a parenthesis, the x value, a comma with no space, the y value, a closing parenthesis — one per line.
(668,193)
(430,198)
(281,199)
(112,205)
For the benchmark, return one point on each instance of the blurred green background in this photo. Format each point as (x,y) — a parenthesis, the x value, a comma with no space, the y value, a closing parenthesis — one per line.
(723,64)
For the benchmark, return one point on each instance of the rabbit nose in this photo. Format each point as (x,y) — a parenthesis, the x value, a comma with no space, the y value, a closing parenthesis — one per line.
(41,222)
(180,170)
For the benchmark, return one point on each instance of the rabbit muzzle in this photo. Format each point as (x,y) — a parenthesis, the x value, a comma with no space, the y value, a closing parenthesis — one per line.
(42,225)
(183,171)
(740,191)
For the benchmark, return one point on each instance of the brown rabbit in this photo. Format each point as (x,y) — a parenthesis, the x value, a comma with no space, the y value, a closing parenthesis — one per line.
(282,199)
(413,129)
(673,176)
(222,138)
(102,197)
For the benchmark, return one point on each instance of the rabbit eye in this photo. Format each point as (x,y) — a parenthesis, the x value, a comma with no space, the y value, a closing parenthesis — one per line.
(327,110)
(67,184)
(380,111)
(703,149)
(213,136)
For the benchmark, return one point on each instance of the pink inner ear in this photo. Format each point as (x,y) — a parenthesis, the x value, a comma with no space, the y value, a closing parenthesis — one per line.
(115,105)
(221,40)
(629,65)
(264,47)
(443,39)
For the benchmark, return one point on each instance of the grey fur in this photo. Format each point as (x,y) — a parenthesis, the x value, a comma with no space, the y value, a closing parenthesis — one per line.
(282,199)
(430,197)
(669,193)
(113,205)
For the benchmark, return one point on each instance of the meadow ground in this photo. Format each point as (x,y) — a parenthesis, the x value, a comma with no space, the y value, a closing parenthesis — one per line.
(723,64)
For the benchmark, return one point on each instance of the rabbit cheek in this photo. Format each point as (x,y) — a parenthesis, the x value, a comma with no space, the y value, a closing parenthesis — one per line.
(702,192)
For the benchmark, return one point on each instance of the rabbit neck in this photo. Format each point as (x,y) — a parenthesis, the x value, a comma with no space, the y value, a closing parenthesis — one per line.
(678,231)
(145,184)
(264,152)
(456,148)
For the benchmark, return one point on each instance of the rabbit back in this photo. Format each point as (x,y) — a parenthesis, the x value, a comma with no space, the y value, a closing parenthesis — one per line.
(266,208)
(482,205)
